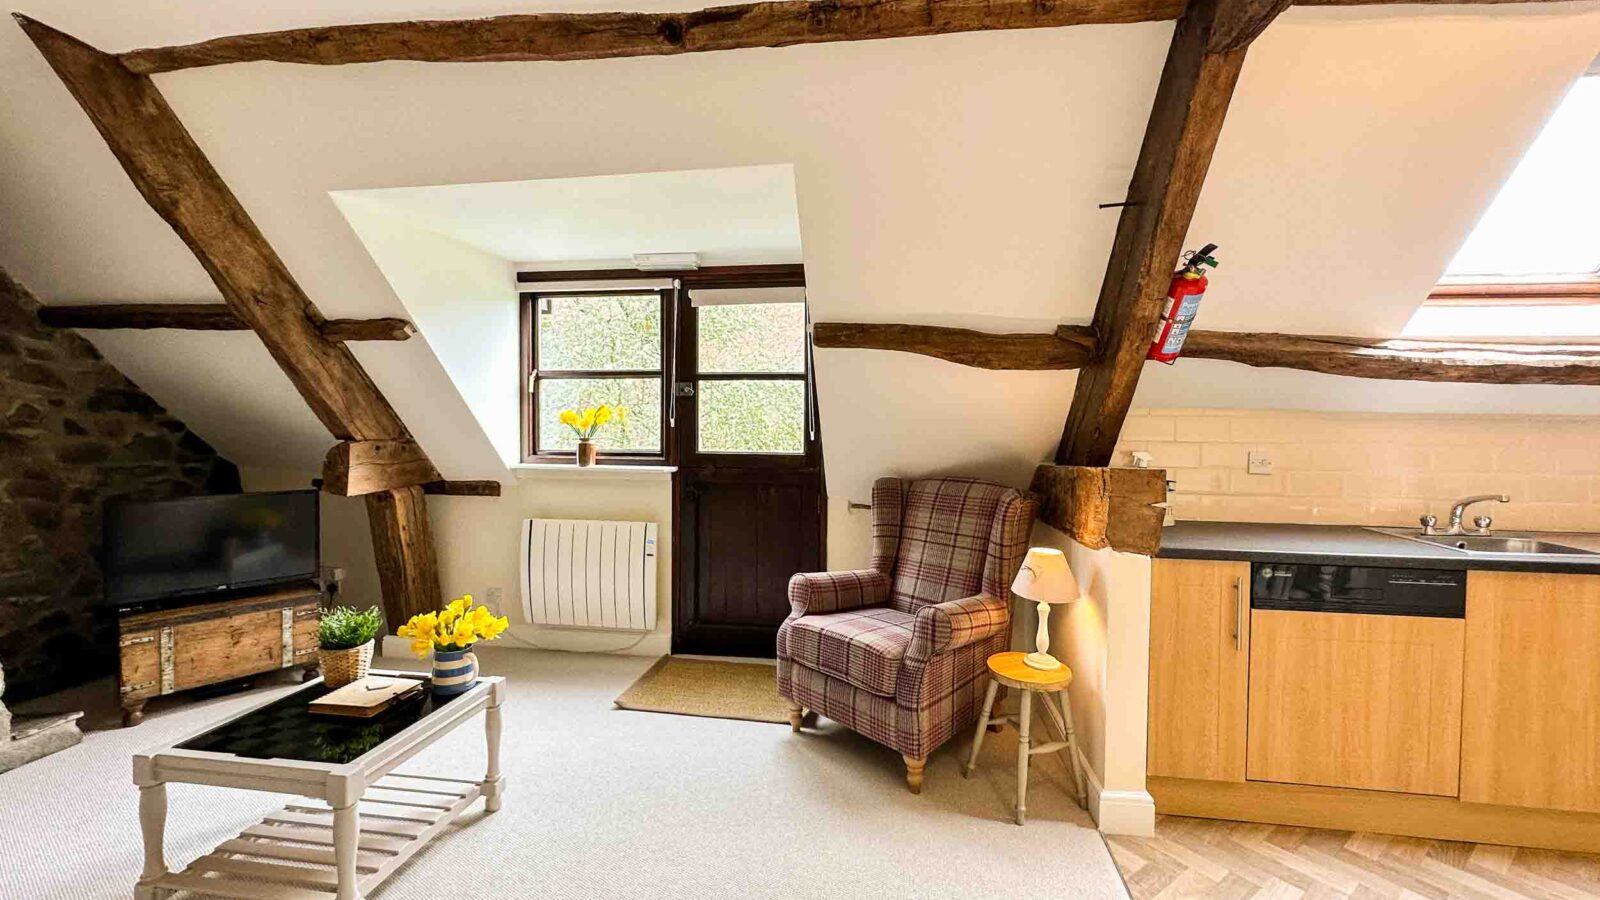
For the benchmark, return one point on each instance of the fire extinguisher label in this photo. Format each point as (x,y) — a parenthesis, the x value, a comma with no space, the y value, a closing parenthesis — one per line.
(1181,322)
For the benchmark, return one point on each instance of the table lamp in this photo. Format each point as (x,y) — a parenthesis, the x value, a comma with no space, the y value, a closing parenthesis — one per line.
(1046,579)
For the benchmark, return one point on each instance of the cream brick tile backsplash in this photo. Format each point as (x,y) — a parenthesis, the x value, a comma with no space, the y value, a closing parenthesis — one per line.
(1373,468)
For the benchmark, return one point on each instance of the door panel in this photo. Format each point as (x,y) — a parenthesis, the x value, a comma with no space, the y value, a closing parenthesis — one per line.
(742,534)
(1199,666)
(1357,701)
(1531,713)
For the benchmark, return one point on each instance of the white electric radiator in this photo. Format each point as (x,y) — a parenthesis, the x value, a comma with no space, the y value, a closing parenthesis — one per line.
(585,574)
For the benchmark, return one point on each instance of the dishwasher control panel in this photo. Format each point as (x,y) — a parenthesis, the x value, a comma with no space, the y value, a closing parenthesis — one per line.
(1373,590)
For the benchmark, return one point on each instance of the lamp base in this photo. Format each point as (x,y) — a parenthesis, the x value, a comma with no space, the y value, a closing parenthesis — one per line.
(1045,661)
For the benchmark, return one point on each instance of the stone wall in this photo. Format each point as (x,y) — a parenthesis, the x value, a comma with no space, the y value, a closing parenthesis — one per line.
(74,433)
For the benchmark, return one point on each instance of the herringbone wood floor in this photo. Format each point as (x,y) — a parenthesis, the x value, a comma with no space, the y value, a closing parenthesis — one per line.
(1236,860)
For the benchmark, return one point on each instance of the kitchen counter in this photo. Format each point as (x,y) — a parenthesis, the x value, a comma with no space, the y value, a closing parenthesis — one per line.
(1353,545)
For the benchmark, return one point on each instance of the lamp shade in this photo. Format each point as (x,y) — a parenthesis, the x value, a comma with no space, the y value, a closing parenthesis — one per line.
(1045,577)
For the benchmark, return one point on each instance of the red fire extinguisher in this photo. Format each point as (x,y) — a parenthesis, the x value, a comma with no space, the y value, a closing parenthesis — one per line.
(1183,303)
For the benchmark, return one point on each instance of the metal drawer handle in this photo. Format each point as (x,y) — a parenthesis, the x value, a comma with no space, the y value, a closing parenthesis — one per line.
(1238,613)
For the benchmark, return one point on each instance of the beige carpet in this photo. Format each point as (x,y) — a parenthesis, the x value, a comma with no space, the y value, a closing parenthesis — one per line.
(714,688)
(606,803)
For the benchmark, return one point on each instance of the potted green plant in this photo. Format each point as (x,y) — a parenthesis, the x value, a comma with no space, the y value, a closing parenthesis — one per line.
(346,635)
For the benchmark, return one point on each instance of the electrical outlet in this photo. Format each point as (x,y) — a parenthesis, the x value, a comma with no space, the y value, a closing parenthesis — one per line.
(492,598)
(1258,463)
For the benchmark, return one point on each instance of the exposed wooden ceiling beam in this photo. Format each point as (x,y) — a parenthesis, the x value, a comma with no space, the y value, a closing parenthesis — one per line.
(1202,67)
(355,468)
(187,316)
(567,36)
(181,185)
(981,349)
(206,317)
(1072,346)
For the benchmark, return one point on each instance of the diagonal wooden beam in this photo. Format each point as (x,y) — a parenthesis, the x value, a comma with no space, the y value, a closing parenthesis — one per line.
(1191,102)
(181,185)
(206,317)
(605,35)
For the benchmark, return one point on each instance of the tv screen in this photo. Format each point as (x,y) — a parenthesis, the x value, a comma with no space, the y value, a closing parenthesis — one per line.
(171,548)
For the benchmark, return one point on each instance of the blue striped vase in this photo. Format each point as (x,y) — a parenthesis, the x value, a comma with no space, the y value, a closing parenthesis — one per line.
(454,671)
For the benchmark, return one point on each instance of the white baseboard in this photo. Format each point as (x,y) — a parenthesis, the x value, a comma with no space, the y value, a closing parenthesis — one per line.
(1118,812)
(656,643)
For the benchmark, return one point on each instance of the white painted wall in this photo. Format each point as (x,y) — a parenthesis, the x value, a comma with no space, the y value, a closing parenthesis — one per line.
(463,300)
(1105,639)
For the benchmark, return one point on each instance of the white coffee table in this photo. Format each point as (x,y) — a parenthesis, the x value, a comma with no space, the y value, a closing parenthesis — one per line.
(370,818)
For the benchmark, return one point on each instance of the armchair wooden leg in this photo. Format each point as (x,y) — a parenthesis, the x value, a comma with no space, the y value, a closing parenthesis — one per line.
(797,714)
(914,773)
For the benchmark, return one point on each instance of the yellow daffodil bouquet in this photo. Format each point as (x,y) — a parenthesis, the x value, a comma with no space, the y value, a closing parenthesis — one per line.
(585,424)
(455,628)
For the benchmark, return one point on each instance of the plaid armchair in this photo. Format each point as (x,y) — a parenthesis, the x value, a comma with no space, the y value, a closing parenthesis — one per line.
(897,652)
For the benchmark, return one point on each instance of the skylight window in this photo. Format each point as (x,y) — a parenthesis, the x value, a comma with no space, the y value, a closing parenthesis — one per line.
(1543,224)
(1531,267)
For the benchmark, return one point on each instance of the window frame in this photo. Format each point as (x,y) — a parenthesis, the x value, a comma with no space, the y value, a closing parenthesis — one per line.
(532,376)
(688,427)
(1460,291)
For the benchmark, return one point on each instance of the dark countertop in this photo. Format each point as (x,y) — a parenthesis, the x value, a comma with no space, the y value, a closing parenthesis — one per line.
(1353,545)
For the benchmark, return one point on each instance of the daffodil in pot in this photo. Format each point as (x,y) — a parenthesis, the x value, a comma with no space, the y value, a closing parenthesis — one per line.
(585,424)
(449,635)
(345,639)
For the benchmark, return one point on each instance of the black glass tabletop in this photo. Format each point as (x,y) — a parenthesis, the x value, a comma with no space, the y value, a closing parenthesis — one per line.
(288,729)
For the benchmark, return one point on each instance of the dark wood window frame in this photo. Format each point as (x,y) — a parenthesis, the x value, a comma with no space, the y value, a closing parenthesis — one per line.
(1578,291)
(532,375)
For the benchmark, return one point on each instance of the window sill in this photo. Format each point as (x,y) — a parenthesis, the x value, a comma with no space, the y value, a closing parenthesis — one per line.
(531,471)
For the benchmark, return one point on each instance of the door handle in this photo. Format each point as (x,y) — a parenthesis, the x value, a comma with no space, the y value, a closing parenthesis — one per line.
(1238,613)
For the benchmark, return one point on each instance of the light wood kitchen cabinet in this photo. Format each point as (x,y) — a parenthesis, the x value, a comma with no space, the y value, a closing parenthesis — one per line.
(1358,701)
(1199,668)
(1531,710)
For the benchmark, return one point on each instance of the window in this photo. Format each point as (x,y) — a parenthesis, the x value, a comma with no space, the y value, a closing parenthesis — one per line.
(1531,266)
(740,358)
(592,349)
(751,395)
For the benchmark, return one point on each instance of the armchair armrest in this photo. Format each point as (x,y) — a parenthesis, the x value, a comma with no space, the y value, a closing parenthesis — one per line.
(812,593)
(942,627)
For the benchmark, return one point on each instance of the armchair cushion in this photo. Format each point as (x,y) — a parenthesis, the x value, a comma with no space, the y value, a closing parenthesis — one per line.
(811,593)
(942,627)
(864,647)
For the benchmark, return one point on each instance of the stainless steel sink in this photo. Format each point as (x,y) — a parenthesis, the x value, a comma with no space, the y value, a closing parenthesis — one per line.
(1478,543)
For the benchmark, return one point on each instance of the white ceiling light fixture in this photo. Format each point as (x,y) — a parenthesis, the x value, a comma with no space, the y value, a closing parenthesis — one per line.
(666,262)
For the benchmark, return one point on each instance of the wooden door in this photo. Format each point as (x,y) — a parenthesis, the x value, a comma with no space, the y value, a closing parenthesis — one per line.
(1356,701)
(749,491)
(1199,667)
(1531,713)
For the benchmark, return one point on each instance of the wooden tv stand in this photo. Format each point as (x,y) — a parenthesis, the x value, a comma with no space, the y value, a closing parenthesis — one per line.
(169,650)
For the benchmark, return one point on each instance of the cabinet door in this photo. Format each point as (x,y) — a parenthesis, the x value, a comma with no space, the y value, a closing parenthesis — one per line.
(1199,663)
(1531,716)
(214,650)
(1356,701)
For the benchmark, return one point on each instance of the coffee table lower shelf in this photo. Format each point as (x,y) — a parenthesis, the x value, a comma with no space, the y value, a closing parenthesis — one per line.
(289,854)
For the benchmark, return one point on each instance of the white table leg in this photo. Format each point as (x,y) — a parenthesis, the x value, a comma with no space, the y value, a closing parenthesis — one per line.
(346,839)
(983,726)
(494,782)
(153,825)
(1024,719)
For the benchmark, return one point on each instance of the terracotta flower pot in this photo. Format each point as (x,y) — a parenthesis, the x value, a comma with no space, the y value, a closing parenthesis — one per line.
(587,452)
(340,667)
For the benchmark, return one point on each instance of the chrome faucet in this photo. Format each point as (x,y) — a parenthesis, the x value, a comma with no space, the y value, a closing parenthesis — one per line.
(1460,509)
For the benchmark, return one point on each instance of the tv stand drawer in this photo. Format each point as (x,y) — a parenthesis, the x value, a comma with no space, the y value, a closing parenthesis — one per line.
(230,647)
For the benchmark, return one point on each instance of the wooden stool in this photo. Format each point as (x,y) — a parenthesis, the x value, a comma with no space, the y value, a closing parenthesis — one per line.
(1009,669)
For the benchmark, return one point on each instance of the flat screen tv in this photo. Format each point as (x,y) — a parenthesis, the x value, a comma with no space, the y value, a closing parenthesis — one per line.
(156,550)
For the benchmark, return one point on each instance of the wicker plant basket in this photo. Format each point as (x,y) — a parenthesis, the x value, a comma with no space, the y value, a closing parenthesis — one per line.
(340,667)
